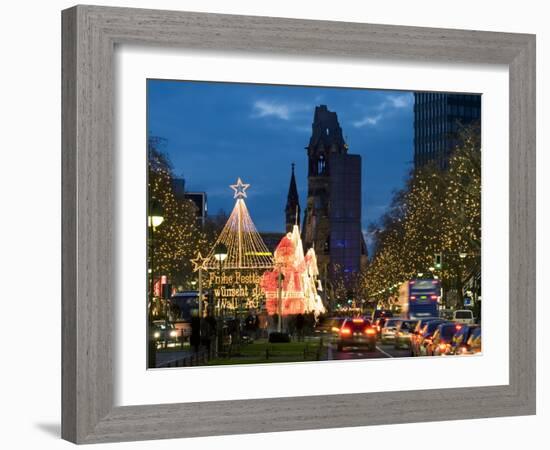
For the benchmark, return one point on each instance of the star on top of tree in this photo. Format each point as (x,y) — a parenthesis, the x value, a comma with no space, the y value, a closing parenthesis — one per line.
(239,188)
(198,262)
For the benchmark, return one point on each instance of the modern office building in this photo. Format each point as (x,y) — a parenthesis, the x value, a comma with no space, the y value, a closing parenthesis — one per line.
(437,119)
(332,219)
(198,198)
(178,186)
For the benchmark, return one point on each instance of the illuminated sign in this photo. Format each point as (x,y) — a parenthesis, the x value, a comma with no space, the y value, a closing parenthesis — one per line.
(234,289)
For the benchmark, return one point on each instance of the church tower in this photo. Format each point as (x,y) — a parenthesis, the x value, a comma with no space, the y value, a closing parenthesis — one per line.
(332,219)
(292,209)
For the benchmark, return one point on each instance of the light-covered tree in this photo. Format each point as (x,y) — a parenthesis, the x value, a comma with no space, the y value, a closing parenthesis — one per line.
(176,241)
(439,211)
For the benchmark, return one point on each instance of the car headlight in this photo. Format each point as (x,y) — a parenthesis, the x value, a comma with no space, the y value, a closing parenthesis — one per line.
(157,334)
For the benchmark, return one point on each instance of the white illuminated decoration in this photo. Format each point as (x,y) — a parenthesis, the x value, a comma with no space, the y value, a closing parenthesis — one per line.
(245,247)
(239,188)
(291,287)
(309,273)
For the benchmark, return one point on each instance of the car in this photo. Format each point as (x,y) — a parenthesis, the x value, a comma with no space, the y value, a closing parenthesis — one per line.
(184,303)
(163,333)
(403,333)
(329,327)
(461,336)
(356,332)
(381,313)
(387,332)
(425,336)
(473,345)
(474,341)
(183,329)
(416,333)
(446,314)
(464,316)
(441,341)
(379,323)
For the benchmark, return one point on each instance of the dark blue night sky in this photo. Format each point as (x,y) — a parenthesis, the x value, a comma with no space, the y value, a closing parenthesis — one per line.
(216,132)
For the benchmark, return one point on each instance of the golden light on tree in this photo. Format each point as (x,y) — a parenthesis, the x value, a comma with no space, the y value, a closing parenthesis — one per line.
(180,237)
(439,211)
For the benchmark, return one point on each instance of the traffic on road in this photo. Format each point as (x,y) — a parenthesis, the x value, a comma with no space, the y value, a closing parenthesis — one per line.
(386,336)
(420,327)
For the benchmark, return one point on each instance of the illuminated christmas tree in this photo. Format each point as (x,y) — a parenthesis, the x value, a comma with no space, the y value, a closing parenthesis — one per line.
(245,247)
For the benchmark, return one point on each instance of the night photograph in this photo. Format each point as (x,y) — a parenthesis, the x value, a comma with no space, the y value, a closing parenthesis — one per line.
(293,223)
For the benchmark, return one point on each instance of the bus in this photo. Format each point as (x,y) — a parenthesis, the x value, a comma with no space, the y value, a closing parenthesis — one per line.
(420,297)
(186,302)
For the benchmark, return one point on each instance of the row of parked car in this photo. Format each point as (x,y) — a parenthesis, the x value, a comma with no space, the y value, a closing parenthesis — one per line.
(431,336)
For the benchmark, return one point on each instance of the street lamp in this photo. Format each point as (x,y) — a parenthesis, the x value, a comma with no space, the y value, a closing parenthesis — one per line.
(154,219)
(220,253)
(461,255)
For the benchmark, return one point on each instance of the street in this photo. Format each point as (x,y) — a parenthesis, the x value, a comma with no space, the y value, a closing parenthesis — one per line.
(255,353)
(382,351)
(238,287)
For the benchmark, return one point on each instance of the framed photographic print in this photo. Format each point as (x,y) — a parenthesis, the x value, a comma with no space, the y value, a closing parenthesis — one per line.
(268,230)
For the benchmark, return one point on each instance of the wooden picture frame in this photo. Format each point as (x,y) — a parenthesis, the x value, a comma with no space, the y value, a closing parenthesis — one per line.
(90,34)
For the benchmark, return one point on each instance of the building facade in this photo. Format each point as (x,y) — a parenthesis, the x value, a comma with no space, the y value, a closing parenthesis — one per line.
(198,198)
(332,218)
(437,120)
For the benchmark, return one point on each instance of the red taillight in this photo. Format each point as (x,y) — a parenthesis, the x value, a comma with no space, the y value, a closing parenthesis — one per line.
(412,282)
(358,320)
(434,297)
(413,297)
(458,327)
(434,281)
(345,331)
(370,331)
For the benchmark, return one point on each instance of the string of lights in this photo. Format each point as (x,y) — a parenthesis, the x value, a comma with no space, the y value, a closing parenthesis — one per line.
(179,237)
(438,212)
(245,247)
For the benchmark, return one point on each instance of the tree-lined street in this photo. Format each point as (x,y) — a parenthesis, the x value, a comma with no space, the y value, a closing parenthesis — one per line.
(220,291)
